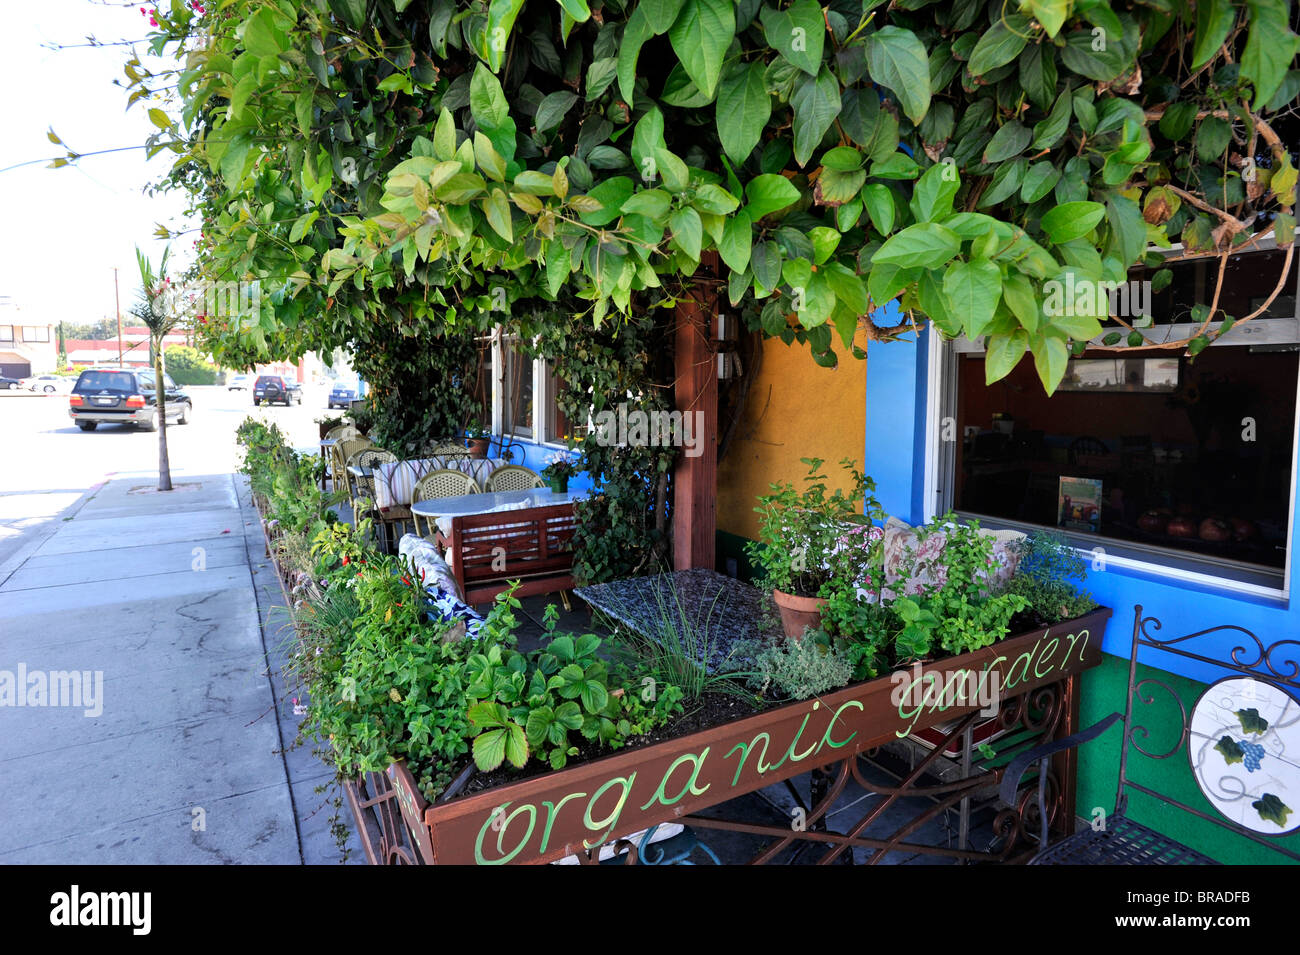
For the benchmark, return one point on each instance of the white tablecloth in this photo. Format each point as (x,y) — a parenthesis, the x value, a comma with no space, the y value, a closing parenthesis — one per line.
(395,481)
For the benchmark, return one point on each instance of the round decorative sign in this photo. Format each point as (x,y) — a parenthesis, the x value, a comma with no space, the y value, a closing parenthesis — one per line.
(1244,747)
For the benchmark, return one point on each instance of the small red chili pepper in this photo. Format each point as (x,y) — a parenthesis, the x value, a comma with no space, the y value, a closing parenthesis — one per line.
(407,581)
(346,561)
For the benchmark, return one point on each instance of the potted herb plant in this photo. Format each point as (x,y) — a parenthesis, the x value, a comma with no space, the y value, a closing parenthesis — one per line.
(328,424)
(559,468)
(477,439)
(800,531)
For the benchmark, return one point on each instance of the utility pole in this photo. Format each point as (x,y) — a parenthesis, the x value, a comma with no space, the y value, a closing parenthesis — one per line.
(117,307)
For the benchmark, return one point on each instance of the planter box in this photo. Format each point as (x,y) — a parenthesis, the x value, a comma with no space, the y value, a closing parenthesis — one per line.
(561,813)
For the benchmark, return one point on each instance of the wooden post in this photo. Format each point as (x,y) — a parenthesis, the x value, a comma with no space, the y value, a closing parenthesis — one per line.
(695,389)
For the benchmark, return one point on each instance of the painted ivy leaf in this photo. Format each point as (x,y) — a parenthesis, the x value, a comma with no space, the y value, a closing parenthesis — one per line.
(1000,44)
(769,193)
(1251,721)
(1010,140)
(1273,809)
(743,109)
(1071,220)
(972,290)
(897,59)
(925,245)
(1230,750)
(797,33)
(816,103)
(1214,18)
(700,36)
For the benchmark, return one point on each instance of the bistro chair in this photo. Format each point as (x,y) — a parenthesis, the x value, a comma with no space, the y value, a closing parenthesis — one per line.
(1231,730)
(345,448)
(341,431)
(359,488)
(444,482)
(513,477)
(448,449)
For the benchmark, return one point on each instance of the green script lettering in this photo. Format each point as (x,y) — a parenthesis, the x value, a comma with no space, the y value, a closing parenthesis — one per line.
(552,811)
(661,796)
(1072,638)
(1026,658)
(1048,652)
(505,824)
(612,819)
(826,737)
(799,735)
(744,755)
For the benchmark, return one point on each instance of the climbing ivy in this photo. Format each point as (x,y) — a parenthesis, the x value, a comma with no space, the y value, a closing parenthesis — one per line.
(368,156)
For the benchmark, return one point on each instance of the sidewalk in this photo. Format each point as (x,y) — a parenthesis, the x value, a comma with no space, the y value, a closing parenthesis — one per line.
(178,758)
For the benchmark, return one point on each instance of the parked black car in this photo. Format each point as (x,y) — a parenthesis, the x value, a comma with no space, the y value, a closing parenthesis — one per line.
(124,396)
(10,384)
(276,388)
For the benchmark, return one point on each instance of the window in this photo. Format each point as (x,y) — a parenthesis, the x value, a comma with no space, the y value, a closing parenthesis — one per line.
(1149,455)
(6,333)
(37,334)
(522,400)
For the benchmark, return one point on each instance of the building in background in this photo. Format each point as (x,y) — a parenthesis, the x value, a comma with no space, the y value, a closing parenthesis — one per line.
(28,344)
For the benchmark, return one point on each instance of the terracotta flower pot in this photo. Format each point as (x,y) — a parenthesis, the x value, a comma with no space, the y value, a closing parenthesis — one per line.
(478,447)
(798,612)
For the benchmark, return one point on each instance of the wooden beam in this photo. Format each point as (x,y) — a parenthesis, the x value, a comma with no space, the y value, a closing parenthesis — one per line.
(695,389)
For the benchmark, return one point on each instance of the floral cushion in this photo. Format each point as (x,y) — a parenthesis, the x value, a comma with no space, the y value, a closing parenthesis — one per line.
(445,599)
(919,561)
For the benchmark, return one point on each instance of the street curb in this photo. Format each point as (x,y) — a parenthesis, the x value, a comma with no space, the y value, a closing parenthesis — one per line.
(42,536)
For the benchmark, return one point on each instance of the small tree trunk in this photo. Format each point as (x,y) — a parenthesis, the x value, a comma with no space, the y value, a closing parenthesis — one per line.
(160,392)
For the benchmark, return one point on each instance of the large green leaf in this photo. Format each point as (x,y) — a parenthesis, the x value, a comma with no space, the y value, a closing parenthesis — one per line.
(797,33)
(924,245)
(1071,220)
(1270,48)
(769,193)
(816,103)
(737,238)
(1004,353)
(661,14)
(1010,140)
(880,207)
(635,34)
(553,108)
(1214,18)
(700,37)
(1039,180)
(500,21)
(1050,13)
(897,60)
(972,290)
(1000,44)
(1051,356)
(935,190)
(1050,131)
(688,231)
(744,107)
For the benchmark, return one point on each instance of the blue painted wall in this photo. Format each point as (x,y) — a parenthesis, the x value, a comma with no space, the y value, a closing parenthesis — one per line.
(536,456)
(896,413)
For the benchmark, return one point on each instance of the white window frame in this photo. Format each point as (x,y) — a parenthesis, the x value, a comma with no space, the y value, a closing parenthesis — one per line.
(10,336)
(940,457)
(33,329)
(542,396)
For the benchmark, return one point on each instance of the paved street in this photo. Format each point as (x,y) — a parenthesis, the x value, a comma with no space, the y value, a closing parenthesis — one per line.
(169,743)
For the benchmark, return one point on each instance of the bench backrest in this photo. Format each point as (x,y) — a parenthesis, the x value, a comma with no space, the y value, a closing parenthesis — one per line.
(503,545)
(1234,735)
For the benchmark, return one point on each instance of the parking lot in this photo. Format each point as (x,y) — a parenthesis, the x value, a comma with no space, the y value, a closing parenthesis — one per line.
(47,463)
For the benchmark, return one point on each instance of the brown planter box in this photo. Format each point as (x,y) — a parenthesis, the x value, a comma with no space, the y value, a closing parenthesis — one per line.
(586,805)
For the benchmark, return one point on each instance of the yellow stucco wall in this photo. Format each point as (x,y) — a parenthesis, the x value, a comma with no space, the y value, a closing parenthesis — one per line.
(795,409)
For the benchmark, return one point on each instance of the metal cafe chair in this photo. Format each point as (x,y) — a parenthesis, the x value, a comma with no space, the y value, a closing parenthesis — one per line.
(513,477)
(1224,747)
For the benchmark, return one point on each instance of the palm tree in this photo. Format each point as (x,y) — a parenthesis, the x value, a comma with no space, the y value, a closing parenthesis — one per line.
(158,309)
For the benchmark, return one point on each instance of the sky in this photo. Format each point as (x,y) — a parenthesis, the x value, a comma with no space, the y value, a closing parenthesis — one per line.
(64,230)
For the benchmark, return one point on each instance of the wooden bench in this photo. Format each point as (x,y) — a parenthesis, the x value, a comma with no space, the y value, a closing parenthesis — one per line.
(533,545)
(1263,680)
